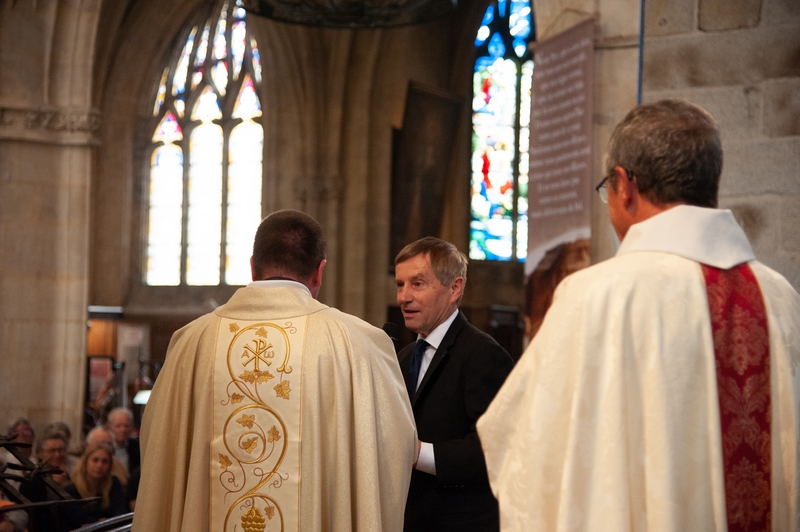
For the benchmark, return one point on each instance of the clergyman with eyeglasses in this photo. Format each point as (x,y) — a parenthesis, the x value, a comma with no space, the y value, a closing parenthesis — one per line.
(661,392)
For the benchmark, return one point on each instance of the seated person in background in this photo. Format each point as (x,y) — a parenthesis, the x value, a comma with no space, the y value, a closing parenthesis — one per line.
(126,447)
(101,435)
(16,520)
(92,478)
(61,428)
(51,449)
(23,430)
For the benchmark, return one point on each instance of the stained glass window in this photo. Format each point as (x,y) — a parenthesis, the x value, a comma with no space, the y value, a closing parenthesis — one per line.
(204,186)
(500,132)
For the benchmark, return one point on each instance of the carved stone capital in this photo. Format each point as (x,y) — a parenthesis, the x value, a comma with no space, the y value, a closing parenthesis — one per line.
(71,120)
(51,125)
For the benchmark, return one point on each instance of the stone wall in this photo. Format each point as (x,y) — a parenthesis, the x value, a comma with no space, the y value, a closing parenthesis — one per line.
(47,131)
(741,62)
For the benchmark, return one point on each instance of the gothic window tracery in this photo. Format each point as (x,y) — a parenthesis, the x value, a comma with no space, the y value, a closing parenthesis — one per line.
(205,171)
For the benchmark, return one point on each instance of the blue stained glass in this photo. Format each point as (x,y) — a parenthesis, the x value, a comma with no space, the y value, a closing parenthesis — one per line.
(500,136)
(488,16)
(483,34)
(519,21)
(483,62)
(520,47)
(239,11)
(496,46)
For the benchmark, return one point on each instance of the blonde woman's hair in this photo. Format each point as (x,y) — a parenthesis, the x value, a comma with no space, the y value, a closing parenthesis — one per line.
(81,479)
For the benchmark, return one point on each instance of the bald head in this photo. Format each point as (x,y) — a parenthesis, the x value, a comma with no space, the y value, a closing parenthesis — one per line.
(99,435)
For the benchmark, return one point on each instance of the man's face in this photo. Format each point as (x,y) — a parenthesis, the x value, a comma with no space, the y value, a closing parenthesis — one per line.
(121,428)
(424,300)
(54,452)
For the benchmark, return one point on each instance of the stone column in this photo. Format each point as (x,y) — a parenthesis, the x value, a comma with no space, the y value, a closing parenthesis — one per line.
(47,134)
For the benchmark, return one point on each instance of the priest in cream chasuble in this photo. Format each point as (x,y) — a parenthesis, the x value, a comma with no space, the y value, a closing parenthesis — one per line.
(662,392)
(276,412)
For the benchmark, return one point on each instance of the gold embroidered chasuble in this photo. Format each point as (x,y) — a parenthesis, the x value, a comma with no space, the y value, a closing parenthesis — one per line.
(322,438)
(610,420)
(257,425)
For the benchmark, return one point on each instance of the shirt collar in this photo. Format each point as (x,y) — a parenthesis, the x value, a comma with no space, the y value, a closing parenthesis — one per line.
(278,283)
(437,335)
(707,236)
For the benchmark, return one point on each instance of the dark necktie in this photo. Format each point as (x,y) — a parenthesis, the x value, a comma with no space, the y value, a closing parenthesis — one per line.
(416,362)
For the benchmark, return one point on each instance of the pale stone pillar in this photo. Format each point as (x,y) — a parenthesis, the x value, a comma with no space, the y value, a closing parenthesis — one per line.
(47,134)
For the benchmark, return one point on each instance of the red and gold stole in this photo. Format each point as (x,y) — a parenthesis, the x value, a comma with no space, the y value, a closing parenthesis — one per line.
(741,348)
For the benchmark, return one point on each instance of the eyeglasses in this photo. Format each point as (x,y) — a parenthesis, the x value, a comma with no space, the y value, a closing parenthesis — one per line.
(56,450)
(602,189)
(602,186)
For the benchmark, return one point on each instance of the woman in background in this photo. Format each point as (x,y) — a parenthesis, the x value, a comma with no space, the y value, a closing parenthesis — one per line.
(92,478)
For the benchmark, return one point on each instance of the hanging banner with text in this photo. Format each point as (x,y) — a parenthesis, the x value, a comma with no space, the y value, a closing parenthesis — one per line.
(559,194)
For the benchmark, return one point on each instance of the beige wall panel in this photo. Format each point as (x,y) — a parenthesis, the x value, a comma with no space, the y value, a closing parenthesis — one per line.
(72,61)
(790,224)
(669,17)
(760,218)
(555,16)
(25,26)
(786,264)
(724,58)
(782,107)
(737,109)
(716,15)
(778,12)
(761,167)
(356,198)
(617,20)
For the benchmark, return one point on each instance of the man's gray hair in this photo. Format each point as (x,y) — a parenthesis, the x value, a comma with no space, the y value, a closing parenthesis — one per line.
(121,410)
(673,149)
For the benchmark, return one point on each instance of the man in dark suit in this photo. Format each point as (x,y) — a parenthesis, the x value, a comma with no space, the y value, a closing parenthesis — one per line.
(452,372)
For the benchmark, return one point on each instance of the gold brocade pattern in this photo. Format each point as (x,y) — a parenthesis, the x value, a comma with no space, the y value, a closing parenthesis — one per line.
(255,448)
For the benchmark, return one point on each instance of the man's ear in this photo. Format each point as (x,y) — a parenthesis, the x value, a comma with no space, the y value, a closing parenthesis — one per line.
(627,189)
(456,288)
(252,270)
(316,278)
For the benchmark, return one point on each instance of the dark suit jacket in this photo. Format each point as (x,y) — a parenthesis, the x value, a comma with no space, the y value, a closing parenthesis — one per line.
(134,455)
(463,377)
